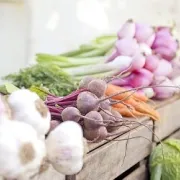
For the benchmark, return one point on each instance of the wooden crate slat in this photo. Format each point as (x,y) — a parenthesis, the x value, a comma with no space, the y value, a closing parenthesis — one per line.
(105,162)
(50,174)
(94,146)
(175,135)
(169,122)
(140,173)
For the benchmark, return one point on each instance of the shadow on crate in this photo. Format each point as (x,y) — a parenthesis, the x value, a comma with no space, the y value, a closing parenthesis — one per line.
(138,172)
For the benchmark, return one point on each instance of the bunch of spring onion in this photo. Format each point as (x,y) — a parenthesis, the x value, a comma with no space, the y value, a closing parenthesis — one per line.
(89,59)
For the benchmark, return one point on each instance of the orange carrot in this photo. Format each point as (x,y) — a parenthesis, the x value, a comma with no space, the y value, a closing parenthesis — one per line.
(112,89)
(125,111)
(144,108)
(128,112)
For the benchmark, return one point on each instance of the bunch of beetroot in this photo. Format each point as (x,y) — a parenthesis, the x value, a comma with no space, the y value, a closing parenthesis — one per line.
(153,49)
(89,107)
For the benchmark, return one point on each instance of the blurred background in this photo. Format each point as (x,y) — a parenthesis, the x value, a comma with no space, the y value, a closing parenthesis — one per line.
(28,27)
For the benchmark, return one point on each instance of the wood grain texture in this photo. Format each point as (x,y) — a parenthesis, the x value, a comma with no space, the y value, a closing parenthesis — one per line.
(73,177)
(175,135)
(50,174)
(170,120)
(105,163)
(140,173)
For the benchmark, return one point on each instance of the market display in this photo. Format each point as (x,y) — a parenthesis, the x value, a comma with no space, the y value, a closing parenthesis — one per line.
(165,166)
(54,108)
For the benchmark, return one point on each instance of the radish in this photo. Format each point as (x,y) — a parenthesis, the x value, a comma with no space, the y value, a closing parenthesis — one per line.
(127,29)
(144,34)
(54,124)
(93,118)
(87,102)
(152,62)
(97,87)
(138,62)
(127,46)
(85,81)
(164,68)
(161,92)
(106,105)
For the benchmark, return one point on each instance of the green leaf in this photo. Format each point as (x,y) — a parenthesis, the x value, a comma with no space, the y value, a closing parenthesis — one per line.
(40,91)
(8,88)
(50,76)
(169,164)
(156,172)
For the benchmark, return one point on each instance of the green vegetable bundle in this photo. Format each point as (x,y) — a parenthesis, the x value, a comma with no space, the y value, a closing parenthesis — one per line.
(50,76)
(165,163)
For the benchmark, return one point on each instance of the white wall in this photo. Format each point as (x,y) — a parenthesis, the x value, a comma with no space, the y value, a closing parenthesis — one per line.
(54,26)
(13,37)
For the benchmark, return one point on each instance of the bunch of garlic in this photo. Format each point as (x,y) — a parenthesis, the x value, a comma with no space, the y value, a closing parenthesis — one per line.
(24,152)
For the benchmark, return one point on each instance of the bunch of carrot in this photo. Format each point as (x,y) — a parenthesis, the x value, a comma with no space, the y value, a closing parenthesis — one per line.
(130,103)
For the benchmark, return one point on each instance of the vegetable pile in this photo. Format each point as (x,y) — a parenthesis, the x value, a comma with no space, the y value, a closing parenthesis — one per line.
(47,119)
(153,49)
(99,108)
(147,54)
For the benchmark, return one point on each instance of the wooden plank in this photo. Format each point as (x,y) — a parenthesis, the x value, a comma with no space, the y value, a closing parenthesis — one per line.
(51,173)
(73,177)
(175,135)
(94,146)
(139,174)
(169,122)
(106,162)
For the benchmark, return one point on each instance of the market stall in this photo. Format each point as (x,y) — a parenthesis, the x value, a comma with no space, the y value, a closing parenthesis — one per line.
(104,109)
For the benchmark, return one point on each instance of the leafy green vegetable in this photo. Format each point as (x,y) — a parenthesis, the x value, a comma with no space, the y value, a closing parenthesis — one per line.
(42,92)
(7,88)
(52,77)
(167,168)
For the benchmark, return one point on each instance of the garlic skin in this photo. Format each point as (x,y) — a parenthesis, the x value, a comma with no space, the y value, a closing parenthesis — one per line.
(29,108)
(5,111)
(65,148)
(21,151)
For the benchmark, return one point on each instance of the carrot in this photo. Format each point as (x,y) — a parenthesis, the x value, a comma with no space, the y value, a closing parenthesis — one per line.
(144,108)
(112,89)
(128,112)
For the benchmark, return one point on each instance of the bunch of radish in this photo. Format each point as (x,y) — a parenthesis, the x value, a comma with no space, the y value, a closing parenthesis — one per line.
(153,51)
(89,107)
(27,148)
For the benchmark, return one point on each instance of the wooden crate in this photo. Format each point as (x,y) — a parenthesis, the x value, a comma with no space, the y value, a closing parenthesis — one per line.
(175,135)
(141,173)
(104,159)
(105,163)
(170,119)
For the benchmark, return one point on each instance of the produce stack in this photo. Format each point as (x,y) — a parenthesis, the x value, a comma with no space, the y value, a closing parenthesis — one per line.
(83,96)
(37,134)
(153,50)
(143,54)
(146,55)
